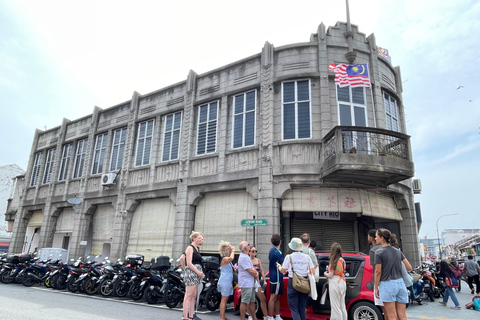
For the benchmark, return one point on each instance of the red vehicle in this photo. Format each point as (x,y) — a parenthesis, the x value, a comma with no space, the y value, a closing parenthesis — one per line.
(359,297)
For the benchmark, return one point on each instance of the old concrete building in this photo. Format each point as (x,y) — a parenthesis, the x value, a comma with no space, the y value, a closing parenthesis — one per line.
(270,136)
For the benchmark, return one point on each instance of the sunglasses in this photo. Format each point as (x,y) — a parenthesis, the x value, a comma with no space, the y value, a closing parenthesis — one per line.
(255,251)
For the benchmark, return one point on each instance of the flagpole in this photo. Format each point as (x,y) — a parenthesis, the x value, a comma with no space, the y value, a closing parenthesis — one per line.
(373,101)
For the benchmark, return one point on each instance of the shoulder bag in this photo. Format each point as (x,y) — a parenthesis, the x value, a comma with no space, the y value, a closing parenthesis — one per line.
(407,277)
(299,283)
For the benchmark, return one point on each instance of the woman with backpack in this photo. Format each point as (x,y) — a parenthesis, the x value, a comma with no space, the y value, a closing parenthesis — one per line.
(450,279)
(458,270)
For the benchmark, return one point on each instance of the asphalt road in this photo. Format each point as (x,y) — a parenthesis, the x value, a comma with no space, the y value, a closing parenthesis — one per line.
(39,303)
(434,311)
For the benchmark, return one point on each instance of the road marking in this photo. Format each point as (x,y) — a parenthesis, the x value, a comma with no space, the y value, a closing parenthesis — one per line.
(411,317)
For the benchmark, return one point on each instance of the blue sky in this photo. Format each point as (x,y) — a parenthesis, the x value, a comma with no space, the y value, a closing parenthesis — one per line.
(60,59)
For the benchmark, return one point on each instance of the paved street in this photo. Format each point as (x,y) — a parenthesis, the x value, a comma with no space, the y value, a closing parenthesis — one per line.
(434,311)
(38,303)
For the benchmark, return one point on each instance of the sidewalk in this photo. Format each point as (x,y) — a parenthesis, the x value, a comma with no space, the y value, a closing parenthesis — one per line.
(433,310)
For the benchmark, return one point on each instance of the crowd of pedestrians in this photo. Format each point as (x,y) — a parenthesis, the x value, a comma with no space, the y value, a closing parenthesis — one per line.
(390,292)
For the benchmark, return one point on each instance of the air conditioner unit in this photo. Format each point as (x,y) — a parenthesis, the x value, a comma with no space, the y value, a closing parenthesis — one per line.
(417,186)
(108,179)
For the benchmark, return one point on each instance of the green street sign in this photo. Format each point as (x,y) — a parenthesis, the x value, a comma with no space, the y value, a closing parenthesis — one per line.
(254,222)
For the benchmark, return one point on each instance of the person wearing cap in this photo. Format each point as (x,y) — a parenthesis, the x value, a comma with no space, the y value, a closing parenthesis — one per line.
(302,265)
(246,281)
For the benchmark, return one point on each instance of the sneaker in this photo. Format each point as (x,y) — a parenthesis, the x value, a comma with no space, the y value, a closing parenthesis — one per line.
(250,318)
(195,317)
(455,308)
(278,317)
(271,318)
(442,303)
(473,291)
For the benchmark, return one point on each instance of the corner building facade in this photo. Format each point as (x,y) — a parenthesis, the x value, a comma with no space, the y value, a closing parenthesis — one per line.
(269,137)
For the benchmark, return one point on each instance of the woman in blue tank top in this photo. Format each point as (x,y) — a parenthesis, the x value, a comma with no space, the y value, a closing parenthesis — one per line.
(225,287)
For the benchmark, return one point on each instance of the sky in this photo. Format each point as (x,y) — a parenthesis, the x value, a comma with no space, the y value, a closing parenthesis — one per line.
(60,59)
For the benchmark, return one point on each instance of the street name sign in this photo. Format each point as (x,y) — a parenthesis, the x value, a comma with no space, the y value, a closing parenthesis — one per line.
(254,222)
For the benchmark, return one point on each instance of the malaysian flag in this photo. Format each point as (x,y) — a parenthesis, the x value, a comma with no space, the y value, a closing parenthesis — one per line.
(384,53)
(354,75)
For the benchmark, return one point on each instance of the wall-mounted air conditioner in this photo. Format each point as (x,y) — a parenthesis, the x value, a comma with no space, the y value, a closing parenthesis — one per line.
(417,186)
(108,179)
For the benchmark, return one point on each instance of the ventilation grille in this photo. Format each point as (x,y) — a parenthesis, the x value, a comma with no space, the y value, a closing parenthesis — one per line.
(209,90)
(104,124)
(252,76)
(175,101)
(293,66)
(388,81)
(148,109)
(122,118)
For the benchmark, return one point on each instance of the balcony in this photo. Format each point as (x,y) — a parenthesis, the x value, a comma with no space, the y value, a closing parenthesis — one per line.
(367,156)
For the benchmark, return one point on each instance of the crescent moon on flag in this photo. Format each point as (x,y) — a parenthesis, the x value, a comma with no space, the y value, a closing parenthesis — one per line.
(363,69)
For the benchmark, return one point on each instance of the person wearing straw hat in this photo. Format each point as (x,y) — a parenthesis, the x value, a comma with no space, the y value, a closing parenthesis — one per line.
(302,264)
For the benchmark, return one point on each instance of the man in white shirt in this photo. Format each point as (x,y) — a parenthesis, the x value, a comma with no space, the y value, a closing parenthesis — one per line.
(246,281)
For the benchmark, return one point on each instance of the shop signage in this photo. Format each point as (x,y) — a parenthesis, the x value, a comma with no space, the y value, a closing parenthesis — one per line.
(326,215)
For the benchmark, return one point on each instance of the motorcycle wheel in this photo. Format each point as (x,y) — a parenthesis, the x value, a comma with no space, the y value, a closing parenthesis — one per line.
(120,289)
(29,281)
(213,298)
(59,281)
(89,286)
(48,282)
(19,279)
(150,296)
(173,297)
(71,285)
(135,292)
(6,278)
(106,287)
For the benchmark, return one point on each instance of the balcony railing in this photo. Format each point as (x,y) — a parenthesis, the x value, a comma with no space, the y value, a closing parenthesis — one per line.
(366,140)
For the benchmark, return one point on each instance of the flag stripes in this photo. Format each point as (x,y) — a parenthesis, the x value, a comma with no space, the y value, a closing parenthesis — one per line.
(355,75)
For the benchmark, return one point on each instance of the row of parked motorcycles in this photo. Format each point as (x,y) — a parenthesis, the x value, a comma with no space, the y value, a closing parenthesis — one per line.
(159,281)
(426,284)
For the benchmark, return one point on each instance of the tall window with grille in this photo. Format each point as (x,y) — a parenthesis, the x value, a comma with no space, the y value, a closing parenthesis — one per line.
(352,110)
(99,154)
(207,128)
(47,173)
(118,149)
(171,136)
(36,169)
(391,112)
(244,107)
(79,158)
(144,143)
(296,110)
(64,162)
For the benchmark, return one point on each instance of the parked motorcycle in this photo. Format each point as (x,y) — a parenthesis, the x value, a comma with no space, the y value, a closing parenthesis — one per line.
(135,291)
(174,287)
(106,279)
(73,275)
(89,279)
(35,272)
(121,281)
(153,285)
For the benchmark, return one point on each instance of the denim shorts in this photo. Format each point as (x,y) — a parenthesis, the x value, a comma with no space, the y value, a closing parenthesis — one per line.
(393,291)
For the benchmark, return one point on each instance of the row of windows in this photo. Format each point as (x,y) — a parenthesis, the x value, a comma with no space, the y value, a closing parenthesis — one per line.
(296,124)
